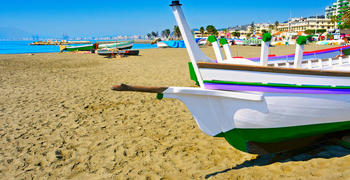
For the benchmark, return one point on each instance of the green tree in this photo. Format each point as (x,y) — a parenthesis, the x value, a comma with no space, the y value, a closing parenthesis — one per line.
(211,30)
(149,35)
(252,27)
(312,31)
(236,34)
(202,30)
(248,35)
(177,32)
(154,34)
(345,19)
(334,19)
(166,33)
(276,25)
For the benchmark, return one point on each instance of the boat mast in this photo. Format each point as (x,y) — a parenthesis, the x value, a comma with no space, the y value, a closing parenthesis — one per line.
(192,48)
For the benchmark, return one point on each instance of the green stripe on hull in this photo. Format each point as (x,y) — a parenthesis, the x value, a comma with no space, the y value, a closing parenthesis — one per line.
(278,85)
(239,138)
(346,51)
(85,48)
(193,73)
(194,78)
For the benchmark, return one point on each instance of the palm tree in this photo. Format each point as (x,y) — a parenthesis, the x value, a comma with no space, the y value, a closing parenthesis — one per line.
(154,34)
(346,17)
(166,33)
(252,27)
(334,20)
(236,34)
(149,35)
(211,30)
(177,32)
(276,24)
(202,31)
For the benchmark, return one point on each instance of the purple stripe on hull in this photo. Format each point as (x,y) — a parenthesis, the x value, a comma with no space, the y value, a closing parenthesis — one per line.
(234,87)
(321,55)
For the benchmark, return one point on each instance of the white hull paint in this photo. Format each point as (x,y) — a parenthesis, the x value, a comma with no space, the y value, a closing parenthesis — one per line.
(222,111)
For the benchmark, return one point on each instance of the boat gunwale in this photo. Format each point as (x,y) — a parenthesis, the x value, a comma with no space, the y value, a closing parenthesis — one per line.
(272,69)
(306,53)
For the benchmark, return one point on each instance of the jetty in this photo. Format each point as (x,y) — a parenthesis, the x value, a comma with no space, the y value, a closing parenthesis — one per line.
(135,41)
(63,42)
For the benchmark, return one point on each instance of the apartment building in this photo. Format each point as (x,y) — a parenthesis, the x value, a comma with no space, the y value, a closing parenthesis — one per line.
(302,24)
(337,9)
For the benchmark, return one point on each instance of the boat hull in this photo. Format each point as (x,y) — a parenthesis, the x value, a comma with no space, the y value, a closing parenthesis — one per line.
(272,118)
(295,103)
(119,45)
(80,48)
(122,52)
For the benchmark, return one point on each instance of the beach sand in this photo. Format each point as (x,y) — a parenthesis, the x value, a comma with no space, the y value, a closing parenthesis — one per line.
(59,119)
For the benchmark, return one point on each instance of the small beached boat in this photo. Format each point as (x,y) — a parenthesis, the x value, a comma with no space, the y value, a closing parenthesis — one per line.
(178,43)
(113,52)
(257,108)
(86,47)
(117,45)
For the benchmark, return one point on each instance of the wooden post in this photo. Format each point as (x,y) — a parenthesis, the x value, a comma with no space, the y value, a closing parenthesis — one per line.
(340,60)
(227,49)
(264,53)
(287,65)
(299,52)
(330,62)
(320,63)
(265,43)
(216,47)
(309,64)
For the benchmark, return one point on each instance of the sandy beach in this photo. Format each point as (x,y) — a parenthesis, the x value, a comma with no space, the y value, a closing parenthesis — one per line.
(59,120)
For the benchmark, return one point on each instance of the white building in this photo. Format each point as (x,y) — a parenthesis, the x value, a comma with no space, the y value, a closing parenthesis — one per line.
(337,9)
(259,27)
(302,24)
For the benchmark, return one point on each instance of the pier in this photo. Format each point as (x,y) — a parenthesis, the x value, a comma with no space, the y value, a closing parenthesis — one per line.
(59,42)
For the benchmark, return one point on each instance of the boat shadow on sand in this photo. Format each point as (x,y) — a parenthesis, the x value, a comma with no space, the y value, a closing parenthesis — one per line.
(325,151)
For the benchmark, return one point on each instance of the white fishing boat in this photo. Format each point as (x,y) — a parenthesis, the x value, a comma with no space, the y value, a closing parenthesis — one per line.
(117,45)
(161,44)
(258,108)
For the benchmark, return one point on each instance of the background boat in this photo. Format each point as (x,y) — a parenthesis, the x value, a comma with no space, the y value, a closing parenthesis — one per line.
(178,43)
(117,45)
(114,52)
(86,47)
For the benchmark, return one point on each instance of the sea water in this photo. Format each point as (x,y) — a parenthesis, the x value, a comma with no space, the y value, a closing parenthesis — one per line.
(22,47)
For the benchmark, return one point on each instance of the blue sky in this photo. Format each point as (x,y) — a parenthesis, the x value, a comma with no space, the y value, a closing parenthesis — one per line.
(129,17)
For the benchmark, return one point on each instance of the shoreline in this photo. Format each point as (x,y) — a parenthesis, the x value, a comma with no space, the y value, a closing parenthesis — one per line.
(235,49)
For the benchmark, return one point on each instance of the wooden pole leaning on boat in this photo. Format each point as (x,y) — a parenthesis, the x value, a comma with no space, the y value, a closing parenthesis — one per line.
(216,46)
(299,52)
(265,43)
(124,87)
